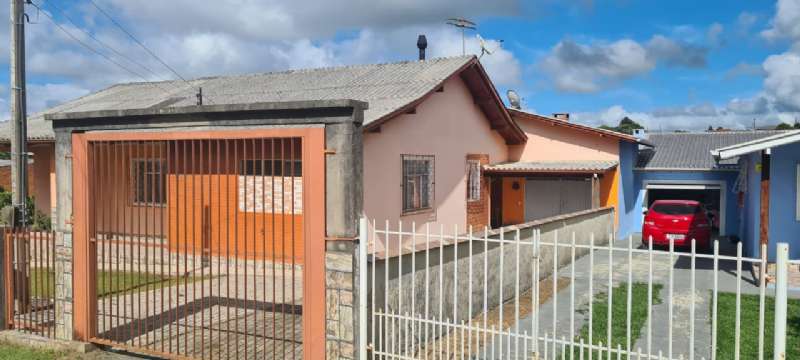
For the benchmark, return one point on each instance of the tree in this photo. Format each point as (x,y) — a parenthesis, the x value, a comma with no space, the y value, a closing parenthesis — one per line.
(785,126)
(710,128)
(626,126)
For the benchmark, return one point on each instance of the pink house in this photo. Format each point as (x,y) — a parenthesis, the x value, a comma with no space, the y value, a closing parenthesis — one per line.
(440,147)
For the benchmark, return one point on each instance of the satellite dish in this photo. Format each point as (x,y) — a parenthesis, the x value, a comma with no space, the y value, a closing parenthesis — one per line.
(514,99)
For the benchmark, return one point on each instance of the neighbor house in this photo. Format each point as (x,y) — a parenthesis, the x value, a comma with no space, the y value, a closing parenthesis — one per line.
(681,166)
(562,168)
(769,186)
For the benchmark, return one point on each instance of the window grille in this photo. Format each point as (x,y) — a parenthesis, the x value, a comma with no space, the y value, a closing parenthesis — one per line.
(148,182)
(418,183)
(473,180)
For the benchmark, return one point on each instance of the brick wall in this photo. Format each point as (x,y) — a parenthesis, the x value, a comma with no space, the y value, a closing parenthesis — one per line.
(478,211)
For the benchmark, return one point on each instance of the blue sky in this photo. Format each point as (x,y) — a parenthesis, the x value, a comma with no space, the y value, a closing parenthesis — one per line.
(667,64)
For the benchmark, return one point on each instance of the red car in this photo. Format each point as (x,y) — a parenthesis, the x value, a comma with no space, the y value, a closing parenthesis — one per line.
(679,221)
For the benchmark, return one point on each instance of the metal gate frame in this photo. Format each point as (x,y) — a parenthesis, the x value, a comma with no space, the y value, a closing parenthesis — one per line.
(84,255)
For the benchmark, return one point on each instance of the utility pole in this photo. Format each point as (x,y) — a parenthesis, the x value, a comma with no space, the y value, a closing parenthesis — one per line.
(19,152)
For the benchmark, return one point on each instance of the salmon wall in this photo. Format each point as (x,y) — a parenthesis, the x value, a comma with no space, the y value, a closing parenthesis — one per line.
(548,142)
(449,126)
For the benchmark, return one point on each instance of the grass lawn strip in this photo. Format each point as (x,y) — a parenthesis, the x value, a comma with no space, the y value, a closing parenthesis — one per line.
(726,327)
(639,314)
(8,351)
(111,282)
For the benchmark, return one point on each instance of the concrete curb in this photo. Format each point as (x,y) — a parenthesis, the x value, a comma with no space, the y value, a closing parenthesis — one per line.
(38,342)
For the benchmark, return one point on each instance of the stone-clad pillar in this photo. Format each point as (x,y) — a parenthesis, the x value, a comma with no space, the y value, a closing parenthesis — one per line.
(63,227)
(344,206)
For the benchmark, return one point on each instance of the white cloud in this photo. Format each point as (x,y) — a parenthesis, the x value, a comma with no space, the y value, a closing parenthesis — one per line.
(279,20)
(743,69)
(700,110)
(786,22)
(783,80)
(754,106)
(714,33)
(589,68)
(676,53)
(745,21)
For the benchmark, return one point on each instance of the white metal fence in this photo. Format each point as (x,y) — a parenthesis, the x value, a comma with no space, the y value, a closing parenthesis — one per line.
(492,296)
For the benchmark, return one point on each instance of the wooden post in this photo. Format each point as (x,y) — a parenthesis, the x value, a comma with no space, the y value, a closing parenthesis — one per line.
(764,212)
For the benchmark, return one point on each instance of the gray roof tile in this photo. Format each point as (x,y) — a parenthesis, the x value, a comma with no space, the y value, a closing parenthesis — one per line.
(693,150)
(386,87)
(554,166)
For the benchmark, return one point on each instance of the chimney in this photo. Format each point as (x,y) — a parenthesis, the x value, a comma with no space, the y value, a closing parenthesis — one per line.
(422,44)
(561,116)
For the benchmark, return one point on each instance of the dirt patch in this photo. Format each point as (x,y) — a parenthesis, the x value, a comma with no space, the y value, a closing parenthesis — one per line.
(456,345)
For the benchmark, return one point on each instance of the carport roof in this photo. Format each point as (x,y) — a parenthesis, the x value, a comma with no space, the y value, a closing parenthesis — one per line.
(692,151)
(533,167)
(736,150)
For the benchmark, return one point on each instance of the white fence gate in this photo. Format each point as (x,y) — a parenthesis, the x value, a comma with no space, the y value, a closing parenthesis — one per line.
(437,294)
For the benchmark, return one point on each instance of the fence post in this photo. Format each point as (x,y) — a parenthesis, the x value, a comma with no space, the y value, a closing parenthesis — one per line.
(781,273)
(4,295)
(362,289)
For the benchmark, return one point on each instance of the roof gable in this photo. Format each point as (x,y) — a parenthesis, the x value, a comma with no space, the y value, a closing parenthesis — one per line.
(524,115)
(390,89)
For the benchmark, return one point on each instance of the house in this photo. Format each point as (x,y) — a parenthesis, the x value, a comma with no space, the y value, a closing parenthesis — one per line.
(42,168)
(563,167)
(769,184)
(681,166)
(440,147)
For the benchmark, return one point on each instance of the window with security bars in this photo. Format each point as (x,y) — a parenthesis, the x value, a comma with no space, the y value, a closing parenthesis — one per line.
(148,182)
(417,182)
(473,180)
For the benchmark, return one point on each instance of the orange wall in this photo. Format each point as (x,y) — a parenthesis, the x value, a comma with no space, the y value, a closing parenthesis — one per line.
(204,213)
(202,209)
(553,143)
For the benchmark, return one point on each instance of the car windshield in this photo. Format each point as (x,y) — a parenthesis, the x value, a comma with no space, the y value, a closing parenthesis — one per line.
(675,209)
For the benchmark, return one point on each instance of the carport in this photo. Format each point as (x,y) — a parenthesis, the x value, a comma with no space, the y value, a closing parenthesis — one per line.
(708,193)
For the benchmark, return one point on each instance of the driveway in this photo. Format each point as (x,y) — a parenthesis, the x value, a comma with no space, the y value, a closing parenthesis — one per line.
(567,326)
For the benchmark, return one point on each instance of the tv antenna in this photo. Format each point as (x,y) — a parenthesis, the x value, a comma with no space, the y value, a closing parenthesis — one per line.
(484,48)
(462,24)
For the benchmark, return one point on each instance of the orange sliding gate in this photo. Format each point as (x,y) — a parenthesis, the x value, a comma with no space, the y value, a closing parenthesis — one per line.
(206,245)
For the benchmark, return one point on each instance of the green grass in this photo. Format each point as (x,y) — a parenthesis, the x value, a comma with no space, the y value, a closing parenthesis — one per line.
(726,327)
(639,313)
(110,282)
(15,352)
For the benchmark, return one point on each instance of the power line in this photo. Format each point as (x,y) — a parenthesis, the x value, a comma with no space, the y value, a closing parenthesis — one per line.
(102,43)
(92,49)
(136,40)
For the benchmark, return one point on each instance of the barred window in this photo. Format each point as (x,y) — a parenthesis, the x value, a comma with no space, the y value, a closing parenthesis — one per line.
(473,180)
(417,182)
(148,182)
